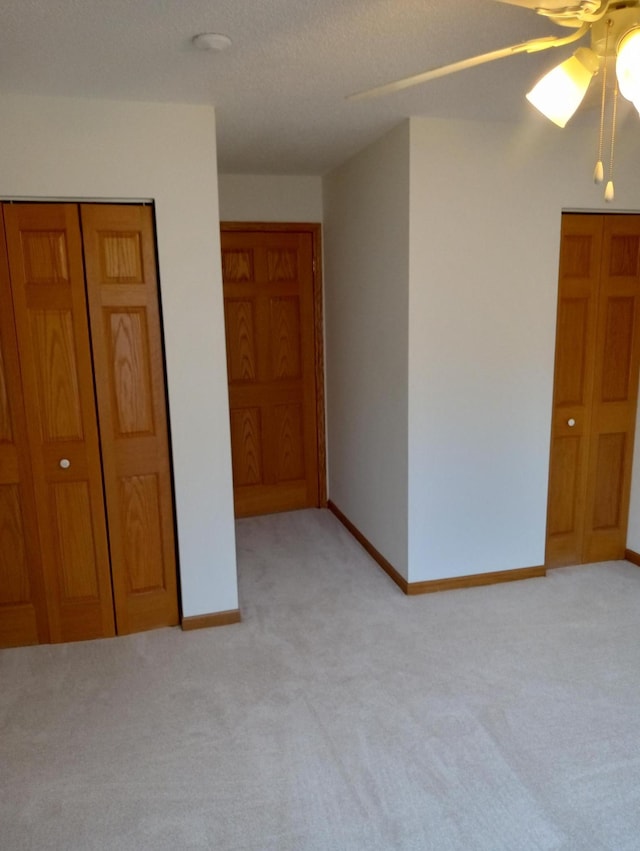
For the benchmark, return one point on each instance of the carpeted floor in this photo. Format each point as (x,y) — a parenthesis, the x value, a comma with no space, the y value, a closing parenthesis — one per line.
(339,715)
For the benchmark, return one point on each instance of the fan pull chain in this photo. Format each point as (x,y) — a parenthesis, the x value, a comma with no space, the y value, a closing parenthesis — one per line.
(608,192)
(598,174)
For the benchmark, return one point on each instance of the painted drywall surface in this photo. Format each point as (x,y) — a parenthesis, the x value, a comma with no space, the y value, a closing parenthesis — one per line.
(366,229)
(486,204)
(76,148)
(270,198)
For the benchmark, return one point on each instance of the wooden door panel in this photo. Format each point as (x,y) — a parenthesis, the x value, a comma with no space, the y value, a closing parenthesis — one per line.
(129,372)
(120,257)
(617,349)
(6,431)
(47,280)
(609,481)
(44,255)
(246,446)
(128,359)
(23,616)
(615,390)
(74,538)
(579,273)
(282,264)
(596,381)
(14,570)
(145,561)
(286,338)
(563,484)
(53,349)
(237,264)
(621,260)
(288,421)
(240,327)
(573,330)
(270,333)
(569,443)
(580,250)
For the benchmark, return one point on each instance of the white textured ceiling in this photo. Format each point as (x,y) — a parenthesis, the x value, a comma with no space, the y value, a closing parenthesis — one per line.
(280,90)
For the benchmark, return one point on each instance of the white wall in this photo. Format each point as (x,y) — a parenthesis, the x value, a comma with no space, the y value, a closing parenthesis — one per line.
(486,203)
(270,198)
(75,148)
(366,250)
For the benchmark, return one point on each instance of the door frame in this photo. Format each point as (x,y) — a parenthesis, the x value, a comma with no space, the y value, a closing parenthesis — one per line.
(315,230)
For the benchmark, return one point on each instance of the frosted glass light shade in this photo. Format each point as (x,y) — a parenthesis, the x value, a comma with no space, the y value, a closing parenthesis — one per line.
(628,66)
(560,92)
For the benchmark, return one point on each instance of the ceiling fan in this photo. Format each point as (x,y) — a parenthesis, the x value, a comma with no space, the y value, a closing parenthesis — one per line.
(614,30)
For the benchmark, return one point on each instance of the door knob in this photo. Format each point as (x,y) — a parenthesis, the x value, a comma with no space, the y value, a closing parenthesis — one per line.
(570,422)
(65,463)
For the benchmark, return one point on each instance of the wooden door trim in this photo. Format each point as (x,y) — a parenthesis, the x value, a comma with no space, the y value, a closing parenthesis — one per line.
(632,556)
(315,230)
(227,618)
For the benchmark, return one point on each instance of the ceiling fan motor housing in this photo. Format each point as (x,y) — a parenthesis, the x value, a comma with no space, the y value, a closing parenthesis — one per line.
(608,32)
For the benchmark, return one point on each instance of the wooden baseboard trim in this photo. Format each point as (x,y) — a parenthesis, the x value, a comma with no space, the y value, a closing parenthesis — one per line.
(388,568)
(213,619)
(430,586)
(476,579)
(633,557)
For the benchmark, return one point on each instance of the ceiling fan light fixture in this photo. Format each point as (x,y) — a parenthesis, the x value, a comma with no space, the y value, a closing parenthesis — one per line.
(628,66)
(560,92)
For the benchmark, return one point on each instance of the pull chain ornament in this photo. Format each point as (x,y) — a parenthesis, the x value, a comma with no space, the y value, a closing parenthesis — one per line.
(598,172)
(609,192)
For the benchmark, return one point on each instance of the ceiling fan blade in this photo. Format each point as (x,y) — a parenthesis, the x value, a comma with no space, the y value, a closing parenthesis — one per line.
(532,46)
(551,5)
(564,12)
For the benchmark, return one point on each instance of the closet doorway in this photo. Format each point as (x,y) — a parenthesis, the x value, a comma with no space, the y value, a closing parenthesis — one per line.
(87,547)
(595,388)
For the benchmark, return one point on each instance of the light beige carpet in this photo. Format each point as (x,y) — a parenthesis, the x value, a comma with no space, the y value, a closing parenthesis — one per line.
(339,715)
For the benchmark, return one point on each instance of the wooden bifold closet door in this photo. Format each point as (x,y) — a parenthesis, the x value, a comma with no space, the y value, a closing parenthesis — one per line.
(595,388)
(85,493)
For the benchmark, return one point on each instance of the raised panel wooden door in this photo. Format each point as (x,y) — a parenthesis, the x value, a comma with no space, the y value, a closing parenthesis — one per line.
(580,257)
(615,391)
(127,346)
(45,259)
(23,616)
(269,319)
(595,389)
